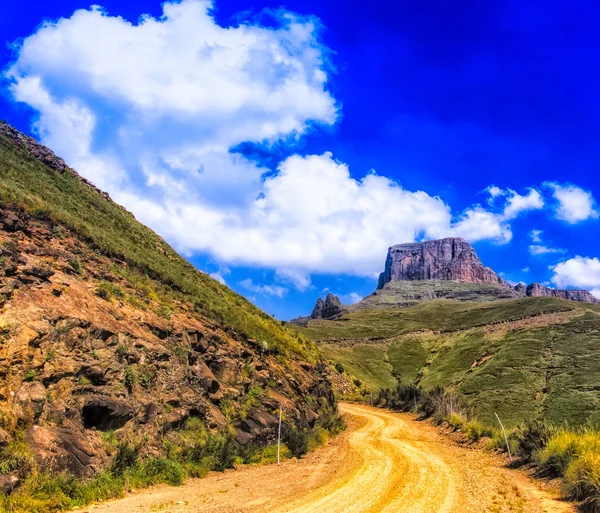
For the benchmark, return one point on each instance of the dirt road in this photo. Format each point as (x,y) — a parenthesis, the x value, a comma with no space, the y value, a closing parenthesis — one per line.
(384,462)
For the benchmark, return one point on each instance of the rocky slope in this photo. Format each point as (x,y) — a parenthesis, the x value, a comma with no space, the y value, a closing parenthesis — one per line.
(104,329)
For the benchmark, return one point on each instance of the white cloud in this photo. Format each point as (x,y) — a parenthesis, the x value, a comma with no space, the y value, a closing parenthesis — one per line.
(151,111)
(479,224)
(595,293)
(265,290)
(574,204)
(513,203)
(578,272)
(350,298)
(536,236)
(219,277)
(525,270)
(299,279)
(539,249)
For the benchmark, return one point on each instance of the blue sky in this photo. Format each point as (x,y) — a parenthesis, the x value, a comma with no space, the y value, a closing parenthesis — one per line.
(282,147)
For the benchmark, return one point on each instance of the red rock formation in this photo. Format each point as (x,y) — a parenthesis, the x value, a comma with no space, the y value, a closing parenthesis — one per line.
(446,259)
(583,296)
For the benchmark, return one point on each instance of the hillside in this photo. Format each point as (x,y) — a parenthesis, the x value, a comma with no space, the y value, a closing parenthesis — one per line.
(109,338)
(522,358)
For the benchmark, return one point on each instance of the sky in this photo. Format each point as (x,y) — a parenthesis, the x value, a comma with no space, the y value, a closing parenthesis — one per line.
(283,147)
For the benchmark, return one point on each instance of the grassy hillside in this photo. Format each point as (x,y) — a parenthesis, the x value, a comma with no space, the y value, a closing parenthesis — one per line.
(65,199)
(404,294)
(531,358)
(122,365)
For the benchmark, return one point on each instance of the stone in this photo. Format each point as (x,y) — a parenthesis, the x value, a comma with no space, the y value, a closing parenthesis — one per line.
(60,448)
(8,484)
(38,272)
(207,378)
(317,312)
(446,259)
(31,398)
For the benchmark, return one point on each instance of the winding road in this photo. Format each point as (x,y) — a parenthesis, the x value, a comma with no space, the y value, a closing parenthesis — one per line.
(385,462)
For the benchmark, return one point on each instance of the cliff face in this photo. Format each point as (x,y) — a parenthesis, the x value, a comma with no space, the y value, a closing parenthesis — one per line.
(446,259)
(327,309)
(583,296)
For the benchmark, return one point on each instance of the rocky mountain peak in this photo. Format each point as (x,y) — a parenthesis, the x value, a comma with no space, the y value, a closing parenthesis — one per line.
(327,309)
(445,259)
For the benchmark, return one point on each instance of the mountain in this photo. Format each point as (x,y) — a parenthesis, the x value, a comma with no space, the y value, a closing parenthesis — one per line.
(110,338)
(440,318)
(446,259)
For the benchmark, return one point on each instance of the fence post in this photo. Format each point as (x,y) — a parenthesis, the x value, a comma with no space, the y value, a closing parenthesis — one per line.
(279,436)
(505,437)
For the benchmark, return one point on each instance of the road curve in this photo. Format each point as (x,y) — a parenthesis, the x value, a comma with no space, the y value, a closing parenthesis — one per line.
(385,462)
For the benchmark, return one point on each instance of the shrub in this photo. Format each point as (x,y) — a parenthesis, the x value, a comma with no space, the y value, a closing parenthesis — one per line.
(339,367)
(582,480)
(126,457)
(296,440)
(29,375)
(531,439)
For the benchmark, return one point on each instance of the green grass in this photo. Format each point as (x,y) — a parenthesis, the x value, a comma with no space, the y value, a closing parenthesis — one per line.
(550,373)
(438,315)
(67,201)
(365,362)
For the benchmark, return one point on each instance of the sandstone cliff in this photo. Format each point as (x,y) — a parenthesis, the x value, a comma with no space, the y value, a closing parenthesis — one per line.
(446,259)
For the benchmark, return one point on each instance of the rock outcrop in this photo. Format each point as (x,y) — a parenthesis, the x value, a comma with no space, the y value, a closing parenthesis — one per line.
(583,296)
(332,307)
(446,259)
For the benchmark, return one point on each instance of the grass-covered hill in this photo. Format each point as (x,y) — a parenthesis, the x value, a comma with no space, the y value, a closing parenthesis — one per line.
(528,358)
(121,363)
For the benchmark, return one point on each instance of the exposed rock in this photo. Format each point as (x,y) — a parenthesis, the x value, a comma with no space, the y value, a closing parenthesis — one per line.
(105,414)
(521,288)
(60,448)
(317,312)
(445,259)
(583,296)
(8,484)
(31,398)
(331,307)
(38,272)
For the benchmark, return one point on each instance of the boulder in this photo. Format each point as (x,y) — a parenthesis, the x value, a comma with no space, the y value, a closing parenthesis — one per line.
(59,449)
(8,484)
(30,398)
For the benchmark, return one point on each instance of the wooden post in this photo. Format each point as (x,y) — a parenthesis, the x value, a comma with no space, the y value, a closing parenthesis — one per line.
(505,437)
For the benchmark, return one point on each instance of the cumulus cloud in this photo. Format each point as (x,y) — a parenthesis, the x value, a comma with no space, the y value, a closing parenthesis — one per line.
(578,272)
(513,203)
(265,290)
(153,113)
(573,203)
